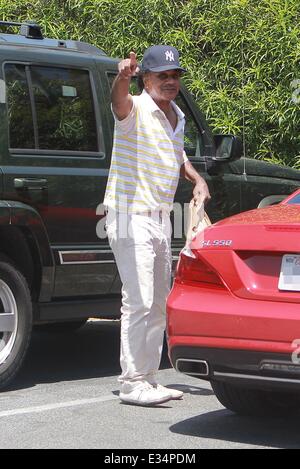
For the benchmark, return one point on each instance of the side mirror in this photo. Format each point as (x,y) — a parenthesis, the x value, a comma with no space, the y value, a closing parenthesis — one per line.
(228,148)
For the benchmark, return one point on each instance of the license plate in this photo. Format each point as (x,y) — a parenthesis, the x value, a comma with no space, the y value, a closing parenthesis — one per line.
(290,273)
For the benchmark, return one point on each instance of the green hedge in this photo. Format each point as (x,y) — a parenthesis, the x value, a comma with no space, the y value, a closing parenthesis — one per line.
(242,55)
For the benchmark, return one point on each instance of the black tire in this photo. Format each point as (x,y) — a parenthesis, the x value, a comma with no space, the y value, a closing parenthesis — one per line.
(15,333)
(255,402)
(61,327)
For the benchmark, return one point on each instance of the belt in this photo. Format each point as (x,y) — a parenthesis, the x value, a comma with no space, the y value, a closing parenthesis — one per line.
(156,214)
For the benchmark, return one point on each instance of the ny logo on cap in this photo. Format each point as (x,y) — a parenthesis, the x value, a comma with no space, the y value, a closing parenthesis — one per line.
(170,55)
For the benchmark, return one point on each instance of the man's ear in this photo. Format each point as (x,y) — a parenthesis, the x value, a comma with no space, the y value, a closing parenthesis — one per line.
(146,78)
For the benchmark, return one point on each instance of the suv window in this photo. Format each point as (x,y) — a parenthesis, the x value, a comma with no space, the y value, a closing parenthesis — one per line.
(21,133)
(50,108)
(193,141)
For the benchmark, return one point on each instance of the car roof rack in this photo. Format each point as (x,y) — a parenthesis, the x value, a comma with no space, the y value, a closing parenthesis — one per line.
(32,31)
(29,29)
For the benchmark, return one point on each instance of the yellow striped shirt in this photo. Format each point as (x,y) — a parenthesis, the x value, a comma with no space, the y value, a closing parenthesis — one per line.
(146,158)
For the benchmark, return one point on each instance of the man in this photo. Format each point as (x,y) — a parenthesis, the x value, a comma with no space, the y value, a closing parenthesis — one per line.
(148,157)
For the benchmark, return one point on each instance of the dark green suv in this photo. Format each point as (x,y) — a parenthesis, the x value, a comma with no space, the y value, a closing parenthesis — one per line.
(55,147)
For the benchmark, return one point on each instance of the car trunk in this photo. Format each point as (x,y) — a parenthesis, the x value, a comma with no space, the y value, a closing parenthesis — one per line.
(247,252)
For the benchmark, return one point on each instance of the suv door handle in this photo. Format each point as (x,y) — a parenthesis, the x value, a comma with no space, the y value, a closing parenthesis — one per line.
(30,183)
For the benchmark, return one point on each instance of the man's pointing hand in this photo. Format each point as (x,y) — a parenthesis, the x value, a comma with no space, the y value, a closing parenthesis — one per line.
(128,67)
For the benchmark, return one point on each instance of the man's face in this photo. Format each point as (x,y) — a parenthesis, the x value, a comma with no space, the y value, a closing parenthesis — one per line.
(163,86)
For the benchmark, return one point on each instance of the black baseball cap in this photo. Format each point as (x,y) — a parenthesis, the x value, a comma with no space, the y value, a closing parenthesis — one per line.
(161,58)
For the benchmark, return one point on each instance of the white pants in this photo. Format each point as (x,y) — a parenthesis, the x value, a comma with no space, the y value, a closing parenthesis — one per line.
(144,261)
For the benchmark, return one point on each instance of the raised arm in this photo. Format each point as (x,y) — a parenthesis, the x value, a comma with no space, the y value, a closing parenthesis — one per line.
(120,96)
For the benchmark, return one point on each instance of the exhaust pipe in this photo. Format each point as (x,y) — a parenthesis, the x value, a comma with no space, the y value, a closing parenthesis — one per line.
(192,367)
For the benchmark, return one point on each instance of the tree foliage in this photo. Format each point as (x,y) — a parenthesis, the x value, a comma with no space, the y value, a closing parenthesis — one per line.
(242,56)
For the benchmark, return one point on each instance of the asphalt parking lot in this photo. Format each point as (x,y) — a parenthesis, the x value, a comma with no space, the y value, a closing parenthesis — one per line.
(66,396)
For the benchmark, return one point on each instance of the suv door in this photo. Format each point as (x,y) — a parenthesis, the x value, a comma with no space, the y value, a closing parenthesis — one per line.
(265,183)
(223,181)
(56,161)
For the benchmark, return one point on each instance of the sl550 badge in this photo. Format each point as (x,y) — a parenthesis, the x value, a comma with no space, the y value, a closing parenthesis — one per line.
(217,242)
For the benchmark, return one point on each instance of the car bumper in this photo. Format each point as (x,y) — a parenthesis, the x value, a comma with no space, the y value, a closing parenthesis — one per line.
(214,335)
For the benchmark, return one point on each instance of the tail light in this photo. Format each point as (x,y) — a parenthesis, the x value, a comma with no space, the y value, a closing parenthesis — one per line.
(191,270)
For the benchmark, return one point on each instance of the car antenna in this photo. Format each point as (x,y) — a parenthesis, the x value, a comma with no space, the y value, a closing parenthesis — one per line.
(243,104)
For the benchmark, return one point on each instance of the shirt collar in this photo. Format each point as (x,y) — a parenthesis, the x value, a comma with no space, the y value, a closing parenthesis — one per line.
(152,106)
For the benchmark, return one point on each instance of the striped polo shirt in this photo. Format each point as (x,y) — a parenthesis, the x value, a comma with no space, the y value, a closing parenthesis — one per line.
(146,159)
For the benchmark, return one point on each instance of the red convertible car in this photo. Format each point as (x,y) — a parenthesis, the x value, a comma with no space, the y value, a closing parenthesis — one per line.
(234,310)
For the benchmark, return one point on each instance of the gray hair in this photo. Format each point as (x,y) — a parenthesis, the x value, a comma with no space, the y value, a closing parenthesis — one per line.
(140,79)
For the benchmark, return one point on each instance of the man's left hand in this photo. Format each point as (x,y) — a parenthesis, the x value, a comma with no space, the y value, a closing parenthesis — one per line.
(201,193)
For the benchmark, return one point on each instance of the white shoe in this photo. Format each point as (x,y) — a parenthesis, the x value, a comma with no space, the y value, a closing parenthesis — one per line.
(142,393)
(175,394)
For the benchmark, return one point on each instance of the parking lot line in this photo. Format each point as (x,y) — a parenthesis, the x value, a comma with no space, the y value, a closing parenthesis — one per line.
(57,405)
